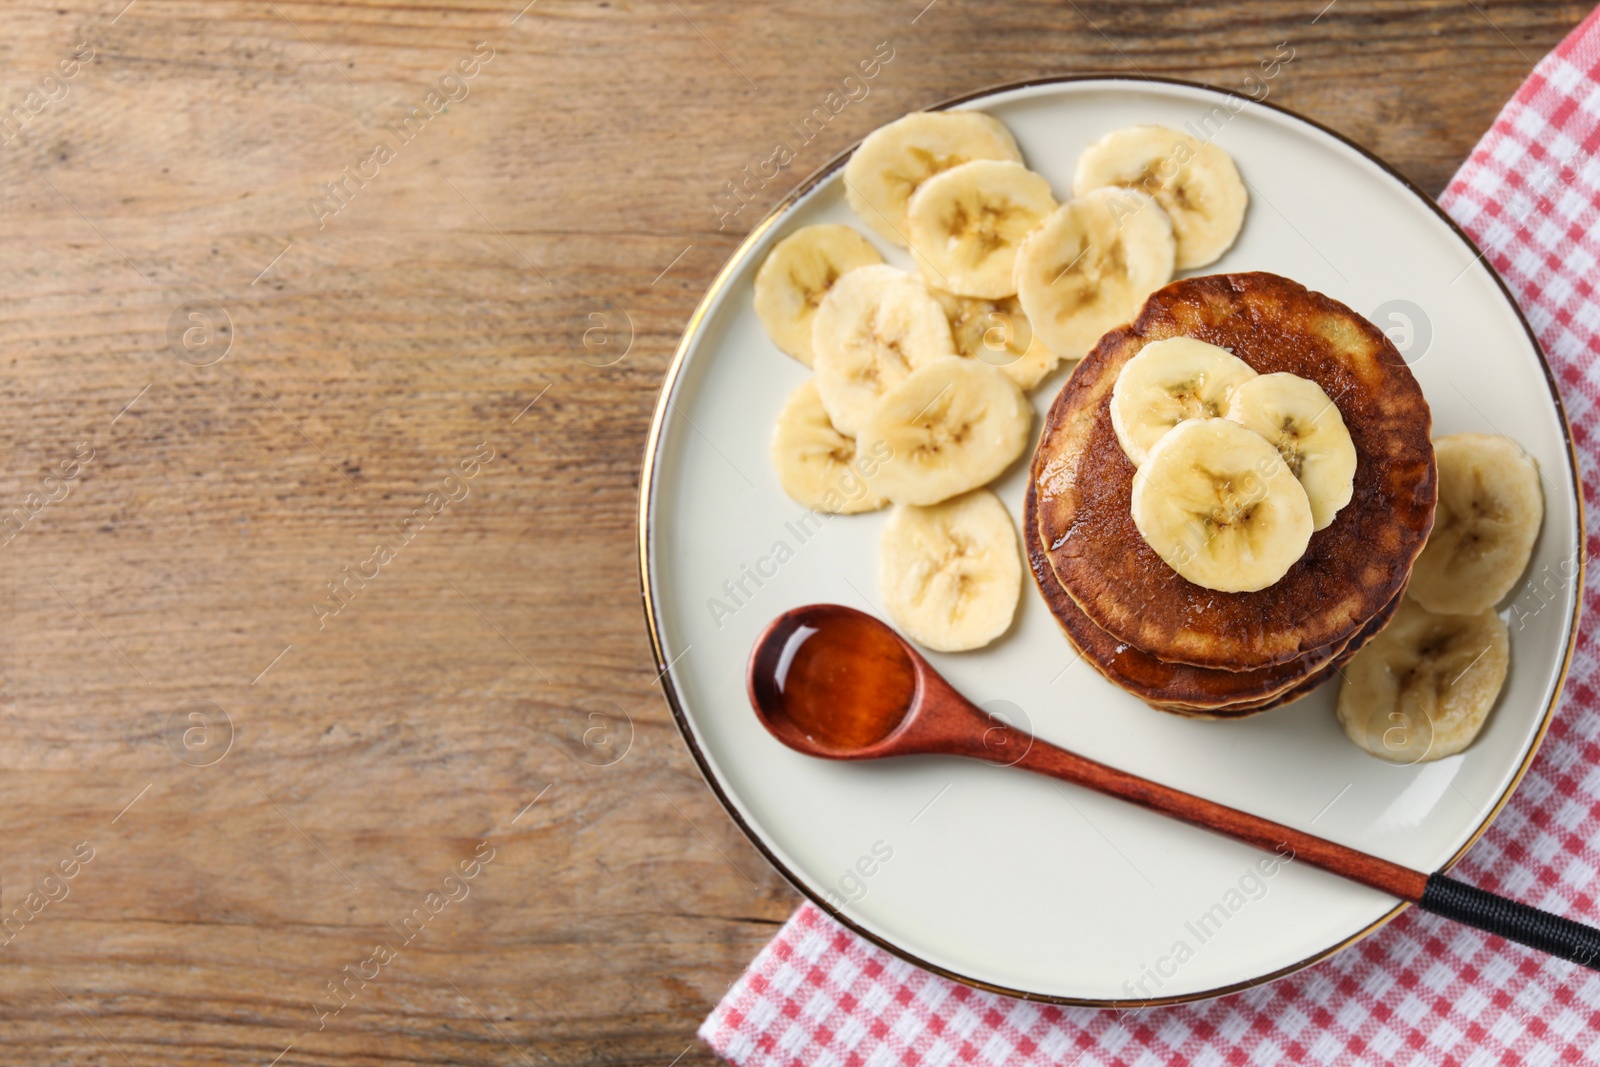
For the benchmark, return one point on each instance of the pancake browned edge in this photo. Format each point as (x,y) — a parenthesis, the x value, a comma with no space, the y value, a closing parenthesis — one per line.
(1175,687)
(1350,570)
(1305,688)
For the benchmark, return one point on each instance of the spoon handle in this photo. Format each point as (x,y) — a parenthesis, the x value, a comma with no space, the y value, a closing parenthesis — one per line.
(1513,921)
(1391,878)
(1436,893)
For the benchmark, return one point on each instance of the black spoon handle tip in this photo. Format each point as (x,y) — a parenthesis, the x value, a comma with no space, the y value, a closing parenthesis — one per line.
(1516,922)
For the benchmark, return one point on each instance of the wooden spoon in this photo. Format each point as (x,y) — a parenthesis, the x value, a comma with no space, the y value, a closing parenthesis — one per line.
(833,682)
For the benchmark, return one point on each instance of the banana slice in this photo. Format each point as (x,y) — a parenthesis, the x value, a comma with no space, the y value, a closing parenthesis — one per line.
(1422,689)
(1089,266)
(965,224)
(1220,506)
(1305,426)
(817,464)
(798,273)
(951,574)
(951,426)
(876,325)
(895,159)
(1195,182)
(1167,383)
(998,333)
(1490,509)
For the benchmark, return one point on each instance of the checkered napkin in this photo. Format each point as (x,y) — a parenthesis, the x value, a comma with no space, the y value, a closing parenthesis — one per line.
(1421,990)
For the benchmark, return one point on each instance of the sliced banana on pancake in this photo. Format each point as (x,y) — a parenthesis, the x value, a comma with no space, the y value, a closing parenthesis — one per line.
(895,159)
(998,333)
(1304,425)
(1219,505)
(876,325)
(951,574)
(965,225)
(951,426)
(1195,182)
(1490,509)
(1090,265)
(798,273)
(1168,382)
(816,464)
(1422,689)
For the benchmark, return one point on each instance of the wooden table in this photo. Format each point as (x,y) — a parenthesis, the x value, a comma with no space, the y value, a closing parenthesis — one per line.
(245,348)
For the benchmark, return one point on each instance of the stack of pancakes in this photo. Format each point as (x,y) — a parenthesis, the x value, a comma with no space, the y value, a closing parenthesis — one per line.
(1196,651)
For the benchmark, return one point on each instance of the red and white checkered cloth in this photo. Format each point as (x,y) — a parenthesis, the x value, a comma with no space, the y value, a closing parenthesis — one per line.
(1421,990)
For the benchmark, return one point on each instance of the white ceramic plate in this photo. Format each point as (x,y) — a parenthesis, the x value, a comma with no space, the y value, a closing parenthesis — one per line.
(1011,881)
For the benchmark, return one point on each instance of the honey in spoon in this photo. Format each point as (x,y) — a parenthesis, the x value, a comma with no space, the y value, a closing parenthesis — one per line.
(840,679)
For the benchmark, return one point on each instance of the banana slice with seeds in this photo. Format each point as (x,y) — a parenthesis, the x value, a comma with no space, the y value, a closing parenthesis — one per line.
(1219,505)
(798,273)
(951,426)
(965,225)
(1168,382)
(1195,182)
(895,159)
(816,464)
(1424,686)
(998,333)
(951,574)
(876,325)
(1089,266)
(1305,426)
(1488,518)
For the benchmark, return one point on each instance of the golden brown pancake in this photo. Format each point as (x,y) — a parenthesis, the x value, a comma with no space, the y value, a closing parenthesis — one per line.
(1180,688)
(1174,687)
(1350,570)
(1305,688)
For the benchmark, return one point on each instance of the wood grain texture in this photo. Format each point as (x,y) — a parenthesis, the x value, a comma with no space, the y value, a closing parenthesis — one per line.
(373,350)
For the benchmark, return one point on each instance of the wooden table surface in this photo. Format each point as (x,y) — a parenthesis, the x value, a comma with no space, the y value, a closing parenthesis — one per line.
(250,356)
